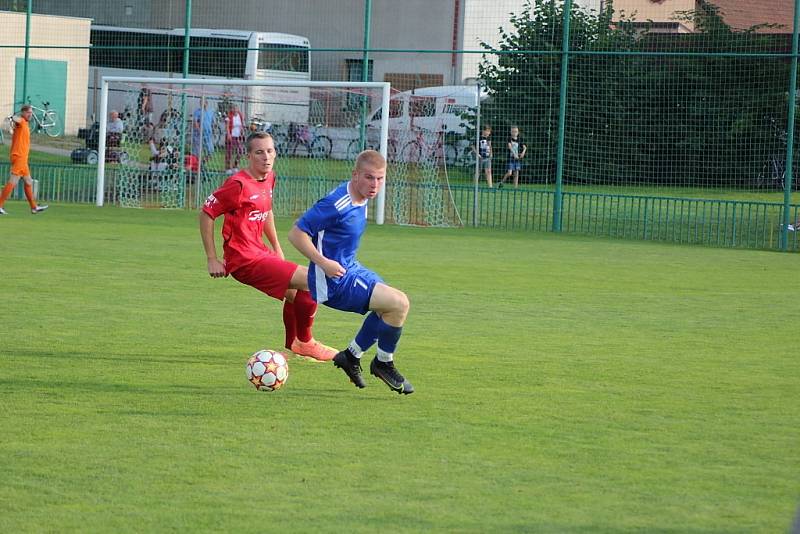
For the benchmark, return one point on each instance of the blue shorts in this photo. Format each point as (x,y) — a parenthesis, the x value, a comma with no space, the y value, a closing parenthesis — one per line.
(514,165)
(350,293)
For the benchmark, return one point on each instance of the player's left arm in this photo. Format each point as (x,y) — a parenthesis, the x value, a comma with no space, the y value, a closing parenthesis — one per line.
(272,235)
(524,149)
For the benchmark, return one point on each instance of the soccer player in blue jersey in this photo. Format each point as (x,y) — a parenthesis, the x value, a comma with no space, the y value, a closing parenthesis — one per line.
(328,234)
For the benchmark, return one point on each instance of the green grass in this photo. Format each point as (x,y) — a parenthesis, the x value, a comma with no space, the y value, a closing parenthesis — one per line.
(40,158)
(564,384)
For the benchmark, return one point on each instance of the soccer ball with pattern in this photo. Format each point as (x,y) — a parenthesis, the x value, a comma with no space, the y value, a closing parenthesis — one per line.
(267,370)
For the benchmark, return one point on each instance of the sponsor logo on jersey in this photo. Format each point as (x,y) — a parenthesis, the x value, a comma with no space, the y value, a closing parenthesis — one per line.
(258,215)
(210,200)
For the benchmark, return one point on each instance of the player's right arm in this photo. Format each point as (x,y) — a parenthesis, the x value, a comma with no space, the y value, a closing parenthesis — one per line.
(302,242)
(216,268)
(223,200)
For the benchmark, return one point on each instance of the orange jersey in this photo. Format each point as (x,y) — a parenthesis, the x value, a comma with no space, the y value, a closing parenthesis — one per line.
(21,141)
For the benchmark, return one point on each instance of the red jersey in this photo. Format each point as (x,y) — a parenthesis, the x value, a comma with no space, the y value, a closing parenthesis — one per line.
(246,204)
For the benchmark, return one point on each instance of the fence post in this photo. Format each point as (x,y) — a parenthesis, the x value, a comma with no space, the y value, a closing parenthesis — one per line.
(28,15)
(787,186)
(362,129)
(184,116)
(477,149)
(562,113)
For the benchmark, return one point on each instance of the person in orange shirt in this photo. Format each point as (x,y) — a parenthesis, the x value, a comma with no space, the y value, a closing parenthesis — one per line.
(20,148)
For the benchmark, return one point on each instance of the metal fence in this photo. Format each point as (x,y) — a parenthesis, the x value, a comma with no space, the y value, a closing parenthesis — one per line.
(640,120)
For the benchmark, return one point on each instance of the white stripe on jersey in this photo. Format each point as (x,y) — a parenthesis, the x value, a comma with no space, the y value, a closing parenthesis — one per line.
(319,275)
(343,202)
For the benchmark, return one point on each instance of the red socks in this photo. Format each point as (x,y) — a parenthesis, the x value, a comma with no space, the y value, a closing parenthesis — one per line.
(298,317)
(289,323)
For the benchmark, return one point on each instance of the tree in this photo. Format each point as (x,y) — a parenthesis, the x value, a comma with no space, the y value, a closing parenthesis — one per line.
(634,113)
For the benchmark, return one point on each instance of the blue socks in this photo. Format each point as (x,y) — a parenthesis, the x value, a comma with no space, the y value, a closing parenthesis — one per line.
(374,329)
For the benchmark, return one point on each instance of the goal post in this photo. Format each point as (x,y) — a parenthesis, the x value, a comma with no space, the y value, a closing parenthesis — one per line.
(185,84)
(178,139)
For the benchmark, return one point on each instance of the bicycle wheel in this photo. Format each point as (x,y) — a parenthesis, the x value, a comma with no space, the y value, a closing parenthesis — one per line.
(218,131)
(51,123)
(321,147)
(450,155)
(281,148)
(353,149)
(467,159)
(391,151)
(411,153)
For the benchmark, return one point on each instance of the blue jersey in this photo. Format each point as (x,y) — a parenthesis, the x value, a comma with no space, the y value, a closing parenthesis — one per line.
(335,226)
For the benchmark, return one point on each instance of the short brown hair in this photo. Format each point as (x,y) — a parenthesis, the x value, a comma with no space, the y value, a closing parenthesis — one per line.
(25,107)
(253,136)
(370,157)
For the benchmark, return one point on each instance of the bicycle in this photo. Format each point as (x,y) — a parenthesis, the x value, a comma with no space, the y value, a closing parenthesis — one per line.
(421,150)
(305,137)
(45,119)
(466,155)
(773,173)
(5,125)
(354,148)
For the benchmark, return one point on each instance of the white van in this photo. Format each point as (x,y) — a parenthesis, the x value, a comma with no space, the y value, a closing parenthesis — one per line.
(430,108)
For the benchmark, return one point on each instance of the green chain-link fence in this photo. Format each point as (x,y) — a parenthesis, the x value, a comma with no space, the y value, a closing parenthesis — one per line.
(670,121)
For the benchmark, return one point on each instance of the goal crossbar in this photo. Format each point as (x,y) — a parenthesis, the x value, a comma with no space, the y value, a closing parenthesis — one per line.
(385,88)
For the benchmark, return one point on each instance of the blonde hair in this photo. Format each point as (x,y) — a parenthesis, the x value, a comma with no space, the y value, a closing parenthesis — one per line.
(372,158)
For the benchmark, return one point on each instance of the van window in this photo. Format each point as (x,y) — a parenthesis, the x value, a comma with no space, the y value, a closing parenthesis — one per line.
(422,106)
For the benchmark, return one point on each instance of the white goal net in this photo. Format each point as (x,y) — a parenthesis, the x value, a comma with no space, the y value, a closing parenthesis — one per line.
(175,141)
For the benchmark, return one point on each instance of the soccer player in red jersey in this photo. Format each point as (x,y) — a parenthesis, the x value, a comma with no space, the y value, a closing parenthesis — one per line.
(245,200)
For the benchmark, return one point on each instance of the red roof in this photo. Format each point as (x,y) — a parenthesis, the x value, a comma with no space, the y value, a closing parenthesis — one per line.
(742,14)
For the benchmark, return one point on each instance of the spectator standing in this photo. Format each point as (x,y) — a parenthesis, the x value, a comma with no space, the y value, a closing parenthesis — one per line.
(234,138)
(202,131)
(516,152)
(485,153)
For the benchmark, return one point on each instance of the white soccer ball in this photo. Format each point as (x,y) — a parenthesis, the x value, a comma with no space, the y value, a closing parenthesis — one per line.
(267,370)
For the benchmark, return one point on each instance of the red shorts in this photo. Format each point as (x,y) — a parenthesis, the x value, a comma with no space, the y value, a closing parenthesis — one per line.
(268,274)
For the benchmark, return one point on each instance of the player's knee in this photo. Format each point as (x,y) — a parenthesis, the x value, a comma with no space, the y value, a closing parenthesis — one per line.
(401,302)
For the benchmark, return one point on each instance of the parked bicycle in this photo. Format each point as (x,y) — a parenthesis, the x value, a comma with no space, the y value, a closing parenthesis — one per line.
(258,124)
(421,149)
(466,154)
(302,139)
(373,143)
(773,173)
(45,119)
(5,127)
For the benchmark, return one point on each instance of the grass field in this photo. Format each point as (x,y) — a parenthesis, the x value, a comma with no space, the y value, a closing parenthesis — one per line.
(563,384)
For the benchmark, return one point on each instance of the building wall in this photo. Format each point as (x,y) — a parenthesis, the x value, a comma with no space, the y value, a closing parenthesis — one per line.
(482,20)
(47,30)
(411,24)
(135,13)
(656,10)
